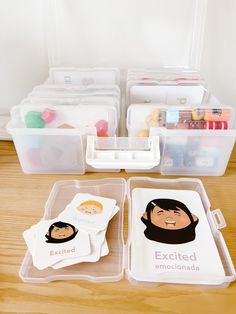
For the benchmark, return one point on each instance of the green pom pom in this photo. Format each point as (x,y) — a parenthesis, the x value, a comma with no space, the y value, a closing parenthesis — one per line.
(33,119)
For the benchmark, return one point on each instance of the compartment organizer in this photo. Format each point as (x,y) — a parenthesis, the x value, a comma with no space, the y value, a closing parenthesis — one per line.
(119,260)
(127,153)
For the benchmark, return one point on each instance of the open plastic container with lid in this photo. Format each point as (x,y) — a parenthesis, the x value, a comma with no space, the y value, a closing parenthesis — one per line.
(118,262)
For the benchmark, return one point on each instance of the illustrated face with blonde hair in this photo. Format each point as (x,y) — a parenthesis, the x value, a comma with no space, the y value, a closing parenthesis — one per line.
(90,207)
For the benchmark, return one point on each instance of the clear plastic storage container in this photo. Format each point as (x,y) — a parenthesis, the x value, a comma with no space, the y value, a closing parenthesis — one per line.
(108,268)
(194,140)
(113,266)
(184,135)
(84,102)
(58,148)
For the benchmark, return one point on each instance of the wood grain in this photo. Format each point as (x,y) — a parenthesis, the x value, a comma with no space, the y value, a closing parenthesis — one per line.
(22,199)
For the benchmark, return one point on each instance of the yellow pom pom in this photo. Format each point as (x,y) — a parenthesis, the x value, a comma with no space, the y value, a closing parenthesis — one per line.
(153,119)
(143,133)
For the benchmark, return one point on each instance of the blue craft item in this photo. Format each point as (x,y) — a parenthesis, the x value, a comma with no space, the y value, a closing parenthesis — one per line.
(172,116)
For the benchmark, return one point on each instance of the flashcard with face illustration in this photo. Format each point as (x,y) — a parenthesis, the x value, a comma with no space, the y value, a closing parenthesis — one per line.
(97,241)
(99,248)
(171,240)
(90,211)
(58,239)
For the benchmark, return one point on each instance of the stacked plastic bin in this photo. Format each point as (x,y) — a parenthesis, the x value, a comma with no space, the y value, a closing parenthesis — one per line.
(50,126)
(175,126)
(197,133)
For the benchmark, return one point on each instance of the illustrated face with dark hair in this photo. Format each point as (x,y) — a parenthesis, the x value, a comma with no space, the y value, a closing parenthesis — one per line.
(60,232)
(169,221)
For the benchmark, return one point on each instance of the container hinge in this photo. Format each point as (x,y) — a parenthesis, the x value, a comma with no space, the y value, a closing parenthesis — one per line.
(125,257)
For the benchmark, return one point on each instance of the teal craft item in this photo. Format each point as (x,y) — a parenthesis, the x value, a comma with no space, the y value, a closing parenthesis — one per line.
(33,119)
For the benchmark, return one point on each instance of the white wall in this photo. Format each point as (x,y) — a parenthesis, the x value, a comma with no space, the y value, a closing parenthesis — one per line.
(110,32)
(219,54)
(23,53)
(121,33)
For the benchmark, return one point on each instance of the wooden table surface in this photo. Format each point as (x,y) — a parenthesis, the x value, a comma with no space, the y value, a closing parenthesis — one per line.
(22,199)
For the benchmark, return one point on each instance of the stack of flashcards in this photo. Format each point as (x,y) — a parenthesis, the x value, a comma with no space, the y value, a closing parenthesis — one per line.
(171,239)
(78,86)
(170,86)
(76,235)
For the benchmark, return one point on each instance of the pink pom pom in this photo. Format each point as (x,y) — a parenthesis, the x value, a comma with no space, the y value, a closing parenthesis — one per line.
(102,128)
(48,115)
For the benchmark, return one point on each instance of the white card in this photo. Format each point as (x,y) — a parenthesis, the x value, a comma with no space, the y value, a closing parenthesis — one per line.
(170,95)
(29,236)
(171,240)
(90,212)
(58,239)
(96,241)
(105,248)
(30,239)
(99,248)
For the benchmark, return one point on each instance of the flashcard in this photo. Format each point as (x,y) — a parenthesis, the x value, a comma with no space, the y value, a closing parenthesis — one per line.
(29,236)
(104,249)
(171,240)
(74,92)
(58,239)
(90,211)
(99,248)
(170,95)
(84,77)
(60,242)
(96,241)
